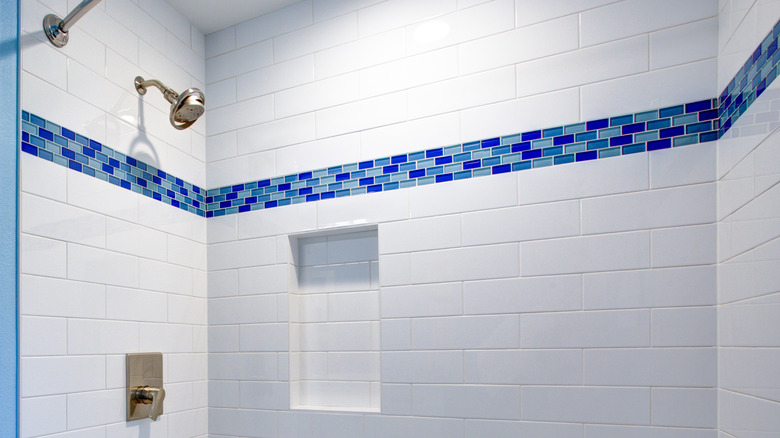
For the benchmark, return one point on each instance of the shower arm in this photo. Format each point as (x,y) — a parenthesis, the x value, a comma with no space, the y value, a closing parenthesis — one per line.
(141,85)
(57,29)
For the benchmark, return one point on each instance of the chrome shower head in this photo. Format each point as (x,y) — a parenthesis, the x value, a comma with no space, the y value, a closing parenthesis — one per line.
(186,107)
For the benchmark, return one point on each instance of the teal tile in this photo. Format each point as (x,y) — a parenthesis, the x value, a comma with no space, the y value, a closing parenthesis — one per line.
(686,140)
(573,129)
(543,162)
(610,132)
(645,116)
(644,137)
(685,119)
(611,152)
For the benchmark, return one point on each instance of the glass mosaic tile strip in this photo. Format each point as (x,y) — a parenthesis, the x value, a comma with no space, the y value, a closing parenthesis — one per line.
(680,125)
(758,72)
(69,149)
(675,126)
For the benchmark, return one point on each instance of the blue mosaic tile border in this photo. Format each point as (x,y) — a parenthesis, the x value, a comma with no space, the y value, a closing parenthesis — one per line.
(758,72)
(62,146)
(681,125)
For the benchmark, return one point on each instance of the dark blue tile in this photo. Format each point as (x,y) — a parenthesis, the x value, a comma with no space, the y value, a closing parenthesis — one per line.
(695,107)
(374,188)
(88,152)
(431,153)
(597,124)
(67,153)
(312,198)
(672,132)
(25,136)
(141,182)
(659,144)
(587,156)
(170,193)
(124,184)
(708,115)
(564,139)
(416,173)
(472,164)
(231,196)
(366,165)
(491,142)
(131,161)
(304,176)
(327,195)
(95,145)
(390,169)
(30,149)
(284,187)
(264,183)
(633,128)
(67,133)
(179,182)
(157,196)
(175,203)
(225,204)
(533,153)
(519,147)
(366,181)
(533,135)
(237,188)
(398,159)
(244,208)
(444,177)
(620,141)
(305,191)
(270,204)
(108,169)
(250,200)
(444,160)
(501,168)
(209,214)
(45,134)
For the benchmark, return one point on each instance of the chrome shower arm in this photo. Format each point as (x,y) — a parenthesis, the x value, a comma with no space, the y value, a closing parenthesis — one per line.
(57,29)
(141,85)
(76,14)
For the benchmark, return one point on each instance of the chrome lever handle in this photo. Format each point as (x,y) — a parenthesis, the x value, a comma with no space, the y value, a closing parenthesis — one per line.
(149,395)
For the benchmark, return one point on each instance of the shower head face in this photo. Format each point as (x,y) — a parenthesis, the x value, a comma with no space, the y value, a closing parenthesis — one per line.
(189,106)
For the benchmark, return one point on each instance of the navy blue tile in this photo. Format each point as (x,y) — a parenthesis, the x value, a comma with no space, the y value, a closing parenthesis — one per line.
(491,142)
(564,139)
(659,144)
(587,156)
(502,168)
(366,165)
(375,188)
(312,198)
(708,115)
(67,153)
(444,160)
(434,153)
(620,141)
(95,145)
(533,153)
(67,133)
(416,173)
(366,181)
(284,187)
(231,196)
(695,107)
(88,152)
(398,159)
(30,149)
(45,134)
(672,132)
(237,188)
(390,169)
(304,176)
(633,128)
(473,164)
(597,124)
(244,208)
(444,177)
(327,195)
(533,135)
(519,147)
(270,204)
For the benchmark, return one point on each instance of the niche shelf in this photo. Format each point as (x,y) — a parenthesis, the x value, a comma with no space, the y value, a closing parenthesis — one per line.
(334,322)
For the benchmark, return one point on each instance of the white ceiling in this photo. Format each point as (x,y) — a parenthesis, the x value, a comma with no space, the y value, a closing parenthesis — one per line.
(213,15)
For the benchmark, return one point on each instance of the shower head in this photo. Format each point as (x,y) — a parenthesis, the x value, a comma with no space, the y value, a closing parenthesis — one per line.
(186,107)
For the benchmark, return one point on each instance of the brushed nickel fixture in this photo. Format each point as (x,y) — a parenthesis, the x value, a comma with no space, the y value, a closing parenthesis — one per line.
(186,108)
(57,29)
(145,394)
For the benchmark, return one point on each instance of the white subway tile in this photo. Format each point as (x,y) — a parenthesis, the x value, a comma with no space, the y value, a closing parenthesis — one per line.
(271,222)
(325,9)
(135,305)
(96,408)
(462,26)
(275,134)
(352,247)
(356,306)
(223,394)
(237,422)
(634,17)
(242,169)
(350,277)
(518,115)
(510,429)
(44,61)
(59,375)
(396,399)
(518,367)
(43,336)
(396,334)
(101,337)
(697,245)
(242,366)
(186,310)
(241,114)
(689,367)
(395,270)
(276,77)
(409,72)
(222,283)
(650,209)
(41,256)
(535,222)
(317,95)
(441,130)
(221,93)
(454,197)
(317,154)
(264,337)
(360,210)
(321,425)
(604,431)
(682,166)
(519,45)
(265,395)
(129,238)
(354,366)
(398,13)
(474,263)
(428,300)
(223,339)
(532,12)
(240,254)
(263,280)
(587,405)
(101,266)
(584,66)
(684,44)
(658,88)
(242,310)
(239,61)
(499,402)
(164,277)
(422,367)
(357,55)
(595,178)
(606,252)
(182,55)
(336,336)
(420,234)
(464,92)
(43,178)
(275,23)
(685,407)
(222,146)
(621,328)
(361,115)
(466,332)
(693,286)
(43,415)
(319,36)
(47,218)
(64,298)
(383,426)
(541,294)
(187,253)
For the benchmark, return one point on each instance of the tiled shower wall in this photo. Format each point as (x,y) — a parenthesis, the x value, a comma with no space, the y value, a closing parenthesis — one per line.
(509,304)
(105,271)
(748,248)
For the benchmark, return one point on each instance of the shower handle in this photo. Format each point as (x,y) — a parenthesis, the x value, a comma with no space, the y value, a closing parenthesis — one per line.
(144,395)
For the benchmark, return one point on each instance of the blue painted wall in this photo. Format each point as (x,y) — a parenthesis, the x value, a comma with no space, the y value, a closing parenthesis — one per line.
(9,125)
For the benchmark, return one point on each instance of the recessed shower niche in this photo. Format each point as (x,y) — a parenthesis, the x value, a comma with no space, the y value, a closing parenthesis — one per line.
(334,322)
